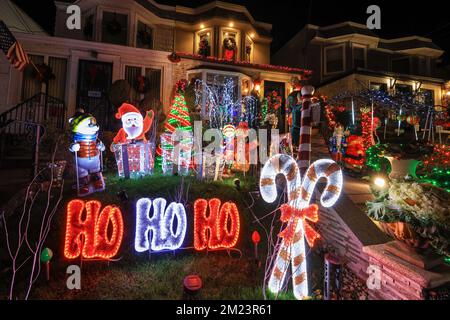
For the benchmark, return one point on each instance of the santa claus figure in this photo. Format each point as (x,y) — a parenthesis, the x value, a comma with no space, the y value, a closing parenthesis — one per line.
(134,125)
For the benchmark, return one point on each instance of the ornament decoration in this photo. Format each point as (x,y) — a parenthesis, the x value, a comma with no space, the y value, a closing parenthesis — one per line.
(46,255)
(87,230)
(296,213)
(158,233)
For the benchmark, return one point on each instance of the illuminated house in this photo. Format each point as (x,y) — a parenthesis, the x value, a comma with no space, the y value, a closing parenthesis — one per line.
(132,40)
(349,57)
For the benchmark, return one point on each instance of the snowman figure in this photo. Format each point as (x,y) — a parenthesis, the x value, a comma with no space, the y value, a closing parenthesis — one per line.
(87,149)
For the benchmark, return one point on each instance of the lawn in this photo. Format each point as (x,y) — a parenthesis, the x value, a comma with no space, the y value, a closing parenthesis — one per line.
(226,274)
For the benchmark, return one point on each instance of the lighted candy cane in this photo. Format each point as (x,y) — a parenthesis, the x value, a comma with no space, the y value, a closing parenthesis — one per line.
(298,210)
(304,150)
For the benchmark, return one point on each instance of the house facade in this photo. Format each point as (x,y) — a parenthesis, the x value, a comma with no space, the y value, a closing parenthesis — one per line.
(132,40)
(350,57)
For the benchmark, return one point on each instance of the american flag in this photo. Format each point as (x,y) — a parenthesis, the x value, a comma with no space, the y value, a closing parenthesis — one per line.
(12,48)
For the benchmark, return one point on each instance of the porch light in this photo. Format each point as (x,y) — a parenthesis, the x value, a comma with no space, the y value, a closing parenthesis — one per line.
(231,24)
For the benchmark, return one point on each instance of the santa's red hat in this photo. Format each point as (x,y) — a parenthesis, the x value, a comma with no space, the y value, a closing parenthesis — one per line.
(127,108)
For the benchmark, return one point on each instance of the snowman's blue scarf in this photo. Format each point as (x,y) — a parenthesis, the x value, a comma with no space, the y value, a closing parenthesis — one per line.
(85,137)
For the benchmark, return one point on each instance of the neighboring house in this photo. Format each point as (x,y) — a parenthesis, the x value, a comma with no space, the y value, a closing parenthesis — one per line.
(350,57)
(125,39)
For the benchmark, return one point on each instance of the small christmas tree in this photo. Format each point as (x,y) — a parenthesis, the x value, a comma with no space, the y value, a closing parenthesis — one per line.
(178,117)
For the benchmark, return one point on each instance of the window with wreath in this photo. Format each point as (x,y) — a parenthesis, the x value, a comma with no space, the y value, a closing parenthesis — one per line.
(230,47)
(144,36)
(52,70)
(144,82)
(204,44)
(115,28)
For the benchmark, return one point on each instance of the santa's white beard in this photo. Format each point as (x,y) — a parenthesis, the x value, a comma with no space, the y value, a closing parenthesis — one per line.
(133,132)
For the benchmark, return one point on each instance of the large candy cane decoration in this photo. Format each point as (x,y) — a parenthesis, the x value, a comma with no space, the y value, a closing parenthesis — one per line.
(304,150)
(296,212)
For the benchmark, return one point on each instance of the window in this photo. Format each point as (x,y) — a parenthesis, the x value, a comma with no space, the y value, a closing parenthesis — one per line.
(154,79)
(375,86)
(57,85)
(204,43)
(403,89)
(230,46)
(423,66)
(131,75)
(144,83)
(115,28)
(334,59)
(426,97)
(30,84)
(401,65)
(248,49)
(359,57)
(144,36)
(88,29)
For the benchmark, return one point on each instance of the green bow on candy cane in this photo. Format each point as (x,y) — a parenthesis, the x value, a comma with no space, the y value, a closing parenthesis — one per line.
(298,208)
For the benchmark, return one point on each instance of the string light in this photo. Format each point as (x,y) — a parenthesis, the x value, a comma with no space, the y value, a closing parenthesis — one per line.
(161,225)
(179,121)
(134,160)
(375,159)
(219,229)
(437,167)
(90,237)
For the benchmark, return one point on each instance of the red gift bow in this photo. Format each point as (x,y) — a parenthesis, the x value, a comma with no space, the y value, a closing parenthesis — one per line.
(292,215)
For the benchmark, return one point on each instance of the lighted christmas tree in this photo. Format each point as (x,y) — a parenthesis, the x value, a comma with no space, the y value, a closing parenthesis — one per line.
(177,119)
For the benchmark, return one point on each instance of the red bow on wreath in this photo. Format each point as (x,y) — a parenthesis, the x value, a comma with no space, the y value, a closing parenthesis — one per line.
(292,216)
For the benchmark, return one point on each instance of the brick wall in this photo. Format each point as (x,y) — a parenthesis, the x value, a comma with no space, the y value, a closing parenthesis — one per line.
(338,235)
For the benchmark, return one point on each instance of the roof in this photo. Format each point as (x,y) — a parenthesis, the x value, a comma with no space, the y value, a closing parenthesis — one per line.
(214,9)
(17,20)
(351,28)
(344,28)
(407,43)
(369,72)
(268,67)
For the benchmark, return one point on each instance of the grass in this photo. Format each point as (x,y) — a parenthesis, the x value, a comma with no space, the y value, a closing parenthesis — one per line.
(225,275)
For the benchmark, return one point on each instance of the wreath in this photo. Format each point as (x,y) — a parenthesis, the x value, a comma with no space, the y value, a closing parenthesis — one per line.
(43,73)
(204,48)
(230,47)
(145,37)
(142,84)
(274,101)
(174,57)
(229,43)
(113,27)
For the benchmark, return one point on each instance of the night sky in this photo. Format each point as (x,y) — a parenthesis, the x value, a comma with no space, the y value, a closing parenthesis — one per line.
(404,18)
